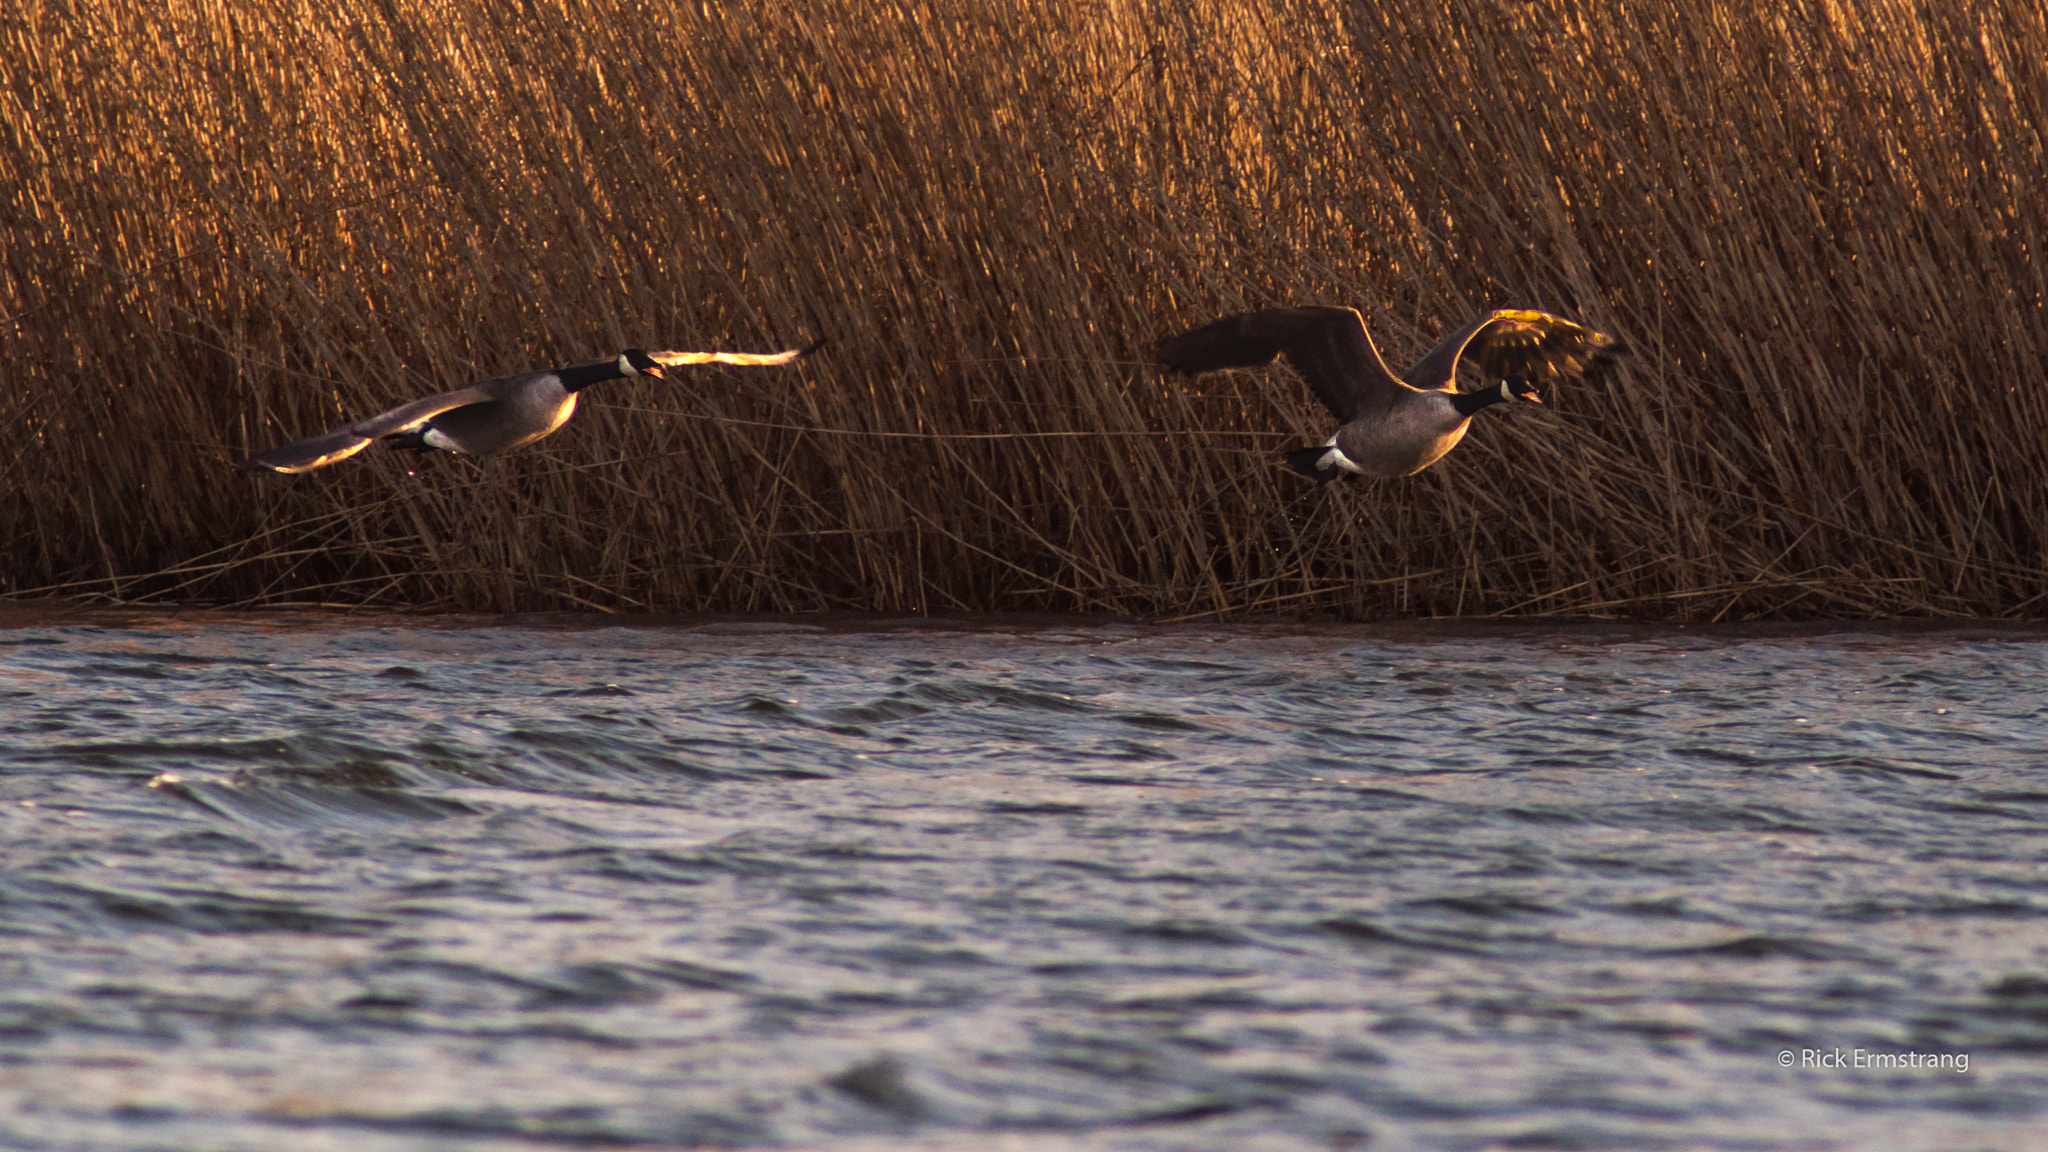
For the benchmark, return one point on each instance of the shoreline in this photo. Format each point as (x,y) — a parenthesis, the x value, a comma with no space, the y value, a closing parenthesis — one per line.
(17,615)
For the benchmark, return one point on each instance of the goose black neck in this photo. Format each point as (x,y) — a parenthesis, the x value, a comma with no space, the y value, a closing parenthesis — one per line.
(584,375)
(1469,402)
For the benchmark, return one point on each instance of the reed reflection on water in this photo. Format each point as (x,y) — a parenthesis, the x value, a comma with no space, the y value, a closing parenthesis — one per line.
(1055,884)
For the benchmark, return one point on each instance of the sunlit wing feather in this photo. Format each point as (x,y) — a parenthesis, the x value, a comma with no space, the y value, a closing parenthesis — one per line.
(308,454)
(675,359)
(1538,347)
(320,451)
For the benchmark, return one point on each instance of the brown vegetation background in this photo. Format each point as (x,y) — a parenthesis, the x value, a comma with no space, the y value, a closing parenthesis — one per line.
(1818,222)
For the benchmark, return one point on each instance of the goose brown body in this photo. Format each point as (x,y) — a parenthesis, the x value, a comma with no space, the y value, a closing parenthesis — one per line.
(528,407)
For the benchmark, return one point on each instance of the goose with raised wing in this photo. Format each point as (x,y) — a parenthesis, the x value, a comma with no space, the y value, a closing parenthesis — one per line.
(495,414)
(1394,425)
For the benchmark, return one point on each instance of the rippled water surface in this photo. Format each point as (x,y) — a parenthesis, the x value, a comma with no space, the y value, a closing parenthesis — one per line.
(323,885)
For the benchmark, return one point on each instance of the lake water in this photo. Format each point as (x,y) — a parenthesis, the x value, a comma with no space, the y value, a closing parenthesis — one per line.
(326,882)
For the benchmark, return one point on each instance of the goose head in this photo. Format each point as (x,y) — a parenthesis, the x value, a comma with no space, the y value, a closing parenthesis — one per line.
(1519,388)
(635,362)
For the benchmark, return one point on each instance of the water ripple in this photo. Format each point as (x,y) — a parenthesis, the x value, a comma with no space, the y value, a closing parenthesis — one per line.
(382,886)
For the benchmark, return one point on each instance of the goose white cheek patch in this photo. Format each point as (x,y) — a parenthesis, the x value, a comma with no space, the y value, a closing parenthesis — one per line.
(626,366)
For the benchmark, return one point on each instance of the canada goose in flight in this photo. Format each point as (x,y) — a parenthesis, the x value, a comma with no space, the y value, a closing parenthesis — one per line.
(1393,425)
(494,415)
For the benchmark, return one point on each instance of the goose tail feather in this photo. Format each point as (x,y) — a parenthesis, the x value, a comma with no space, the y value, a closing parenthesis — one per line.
(1309,462)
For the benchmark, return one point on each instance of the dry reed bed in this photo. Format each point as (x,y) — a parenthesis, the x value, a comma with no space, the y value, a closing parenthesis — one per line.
(1818,223)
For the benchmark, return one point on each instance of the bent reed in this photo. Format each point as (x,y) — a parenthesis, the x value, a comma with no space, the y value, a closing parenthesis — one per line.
(1819,224)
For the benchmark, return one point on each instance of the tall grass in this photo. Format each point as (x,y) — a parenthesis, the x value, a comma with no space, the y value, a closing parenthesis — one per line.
(1818,222)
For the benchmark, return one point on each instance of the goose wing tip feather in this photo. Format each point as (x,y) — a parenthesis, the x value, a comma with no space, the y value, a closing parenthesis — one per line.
(308,454)
(673,359)
(328,447)
(1541,346)
(1244,340)
(1327,345)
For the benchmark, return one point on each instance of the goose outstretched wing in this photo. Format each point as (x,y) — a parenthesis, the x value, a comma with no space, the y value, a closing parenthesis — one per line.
(671,359)
(1516,342)
(320,451)
(1328,346)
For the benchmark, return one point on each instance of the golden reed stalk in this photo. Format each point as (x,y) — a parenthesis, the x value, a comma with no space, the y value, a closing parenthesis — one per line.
(1819,223)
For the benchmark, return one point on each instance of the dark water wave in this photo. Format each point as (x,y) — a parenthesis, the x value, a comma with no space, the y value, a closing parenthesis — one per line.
(1059,887)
